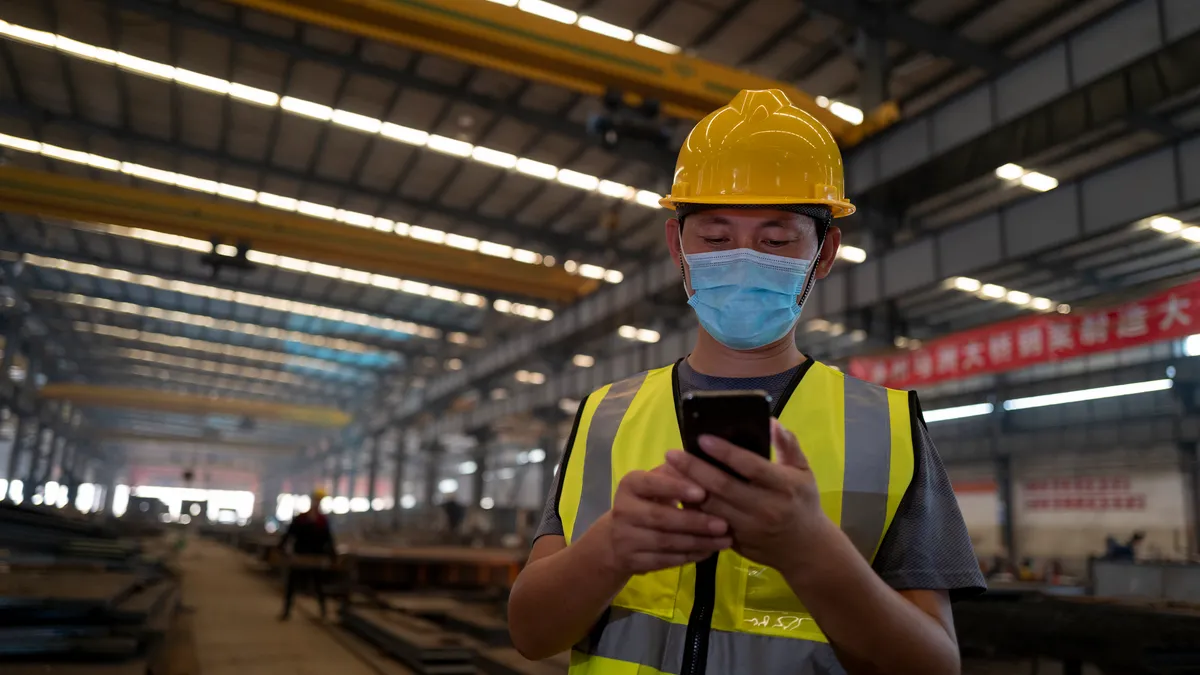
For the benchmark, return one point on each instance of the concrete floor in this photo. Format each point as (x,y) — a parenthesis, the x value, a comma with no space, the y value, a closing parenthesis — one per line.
(236,626)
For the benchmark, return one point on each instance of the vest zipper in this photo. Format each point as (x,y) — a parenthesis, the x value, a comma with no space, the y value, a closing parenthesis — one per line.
(695,645)
(704,595)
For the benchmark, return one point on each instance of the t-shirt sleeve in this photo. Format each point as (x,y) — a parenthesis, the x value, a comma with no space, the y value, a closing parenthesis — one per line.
(927,546)
(551,520)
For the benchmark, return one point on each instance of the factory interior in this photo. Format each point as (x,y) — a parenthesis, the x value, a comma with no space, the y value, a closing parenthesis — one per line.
(364,263)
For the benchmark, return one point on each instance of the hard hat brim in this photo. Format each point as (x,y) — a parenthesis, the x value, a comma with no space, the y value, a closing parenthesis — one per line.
(840,209)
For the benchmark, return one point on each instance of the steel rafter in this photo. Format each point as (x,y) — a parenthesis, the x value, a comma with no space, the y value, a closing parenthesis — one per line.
(237,32)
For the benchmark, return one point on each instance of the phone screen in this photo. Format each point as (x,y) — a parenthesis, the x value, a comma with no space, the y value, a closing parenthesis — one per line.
(741,417)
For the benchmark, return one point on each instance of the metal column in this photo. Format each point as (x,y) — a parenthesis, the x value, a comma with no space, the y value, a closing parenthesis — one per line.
(873,90)
(1190,464)
(1004,494)
(483,439)
(433,465)
(373,466)
(400,457)
(20,441)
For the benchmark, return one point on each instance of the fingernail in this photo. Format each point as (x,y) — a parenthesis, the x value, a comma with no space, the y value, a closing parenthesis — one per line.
(706,442)
(716,526)
(695,494)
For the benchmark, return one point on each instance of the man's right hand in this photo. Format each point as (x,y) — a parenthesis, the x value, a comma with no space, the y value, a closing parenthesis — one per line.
(647,529)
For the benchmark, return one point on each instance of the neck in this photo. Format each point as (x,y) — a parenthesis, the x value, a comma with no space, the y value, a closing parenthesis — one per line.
(710,357)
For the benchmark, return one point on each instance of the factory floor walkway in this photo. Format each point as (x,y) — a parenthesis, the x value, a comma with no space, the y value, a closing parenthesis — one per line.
(235,622)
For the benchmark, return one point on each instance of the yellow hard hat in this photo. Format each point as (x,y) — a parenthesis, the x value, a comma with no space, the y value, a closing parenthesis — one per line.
(318,494)
(760,149)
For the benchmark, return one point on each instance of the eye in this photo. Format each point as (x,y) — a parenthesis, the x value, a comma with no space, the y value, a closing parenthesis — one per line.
(716,241)
(777,243)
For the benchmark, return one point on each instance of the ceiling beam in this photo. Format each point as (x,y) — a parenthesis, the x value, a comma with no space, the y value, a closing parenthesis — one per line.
(198,442)
(882,19)
(11,241)
(97,396)
(58,196)
(542,238)
(642,153)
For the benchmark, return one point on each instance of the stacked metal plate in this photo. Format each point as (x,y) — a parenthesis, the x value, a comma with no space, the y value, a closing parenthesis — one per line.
(74,614)
(507,661)
(30,535)
(419,644)
(76,589)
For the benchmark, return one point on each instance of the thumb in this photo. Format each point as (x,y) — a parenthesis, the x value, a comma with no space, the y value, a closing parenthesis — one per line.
(787,448)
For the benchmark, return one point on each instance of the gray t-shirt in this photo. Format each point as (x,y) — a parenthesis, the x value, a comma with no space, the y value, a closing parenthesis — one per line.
(927,546)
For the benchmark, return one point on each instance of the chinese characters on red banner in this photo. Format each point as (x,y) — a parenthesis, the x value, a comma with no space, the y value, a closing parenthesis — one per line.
(1040,339)
(1110,493)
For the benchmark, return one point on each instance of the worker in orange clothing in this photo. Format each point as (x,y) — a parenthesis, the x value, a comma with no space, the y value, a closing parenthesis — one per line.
(309,535)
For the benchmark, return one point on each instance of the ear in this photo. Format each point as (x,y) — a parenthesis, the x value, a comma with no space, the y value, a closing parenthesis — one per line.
(829,250)
(672,233)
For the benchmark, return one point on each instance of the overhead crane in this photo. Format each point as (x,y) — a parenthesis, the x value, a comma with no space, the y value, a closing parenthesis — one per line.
(212,444)
(492,35)
(315,239)
(85,395)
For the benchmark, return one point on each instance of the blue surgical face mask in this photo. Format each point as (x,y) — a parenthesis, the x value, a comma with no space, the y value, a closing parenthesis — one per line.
(746,299)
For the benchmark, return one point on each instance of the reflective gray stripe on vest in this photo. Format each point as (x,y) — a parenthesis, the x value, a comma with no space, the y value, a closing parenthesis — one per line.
(868,464)
(634,637)
(595,498)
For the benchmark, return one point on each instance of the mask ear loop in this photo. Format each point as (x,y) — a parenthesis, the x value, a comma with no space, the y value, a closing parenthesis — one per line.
(682,275)
(811,279)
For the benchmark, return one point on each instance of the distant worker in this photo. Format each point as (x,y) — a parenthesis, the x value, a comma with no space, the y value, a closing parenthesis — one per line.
(846,548)
(455,513)
(310,536)
(1126,551)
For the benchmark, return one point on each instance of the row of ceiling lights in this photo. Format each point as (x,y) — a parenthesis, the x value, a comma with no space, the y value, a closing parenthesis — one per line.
(361,123)
(554,12)
(212,382)
(320,341)
(192,344)
(1061,398)
(1038,182)
(349,120)
(996,292)
(238,297)
(315,210)
(1175,227)
(331,271)
(220,368)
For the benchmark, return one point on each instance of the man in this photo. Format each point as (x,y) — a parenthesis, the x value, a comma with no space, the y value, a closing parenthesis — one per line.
(842,553)
(309,535)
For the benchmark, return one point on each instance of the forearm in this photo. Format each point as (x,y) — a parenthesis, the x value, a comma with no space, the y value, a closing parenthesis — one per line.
(556,600)
(865,618)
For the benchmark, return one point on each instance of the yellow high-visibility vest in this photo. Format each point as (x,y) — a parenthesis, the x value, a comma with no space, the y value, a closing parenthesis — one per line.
(857,437)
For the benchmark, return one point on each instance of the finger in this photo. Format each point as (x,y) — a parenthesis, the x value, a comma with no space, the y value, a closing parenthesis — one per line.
(662,487)
(726,512)
(668,470)
(652,562)
(666,542)
(713,480)
(752,467)
(787,447)
(662,518)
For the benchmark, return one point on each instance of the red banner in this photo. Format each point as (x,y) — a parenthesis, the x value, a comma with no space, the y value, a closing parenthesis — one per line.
(1039,339)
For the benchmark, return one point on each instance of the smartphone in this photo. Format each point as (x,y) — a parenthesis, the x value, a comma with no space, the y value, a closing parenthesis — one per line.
(740,417)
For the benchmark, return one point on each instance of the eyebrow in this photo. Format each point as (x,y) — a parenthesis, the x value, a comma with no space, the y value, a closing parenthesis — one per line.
(722,220)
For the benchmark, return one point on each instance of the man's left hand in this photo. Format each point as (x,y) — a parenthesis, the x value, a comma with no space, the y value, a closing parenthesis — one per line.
(775,515)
